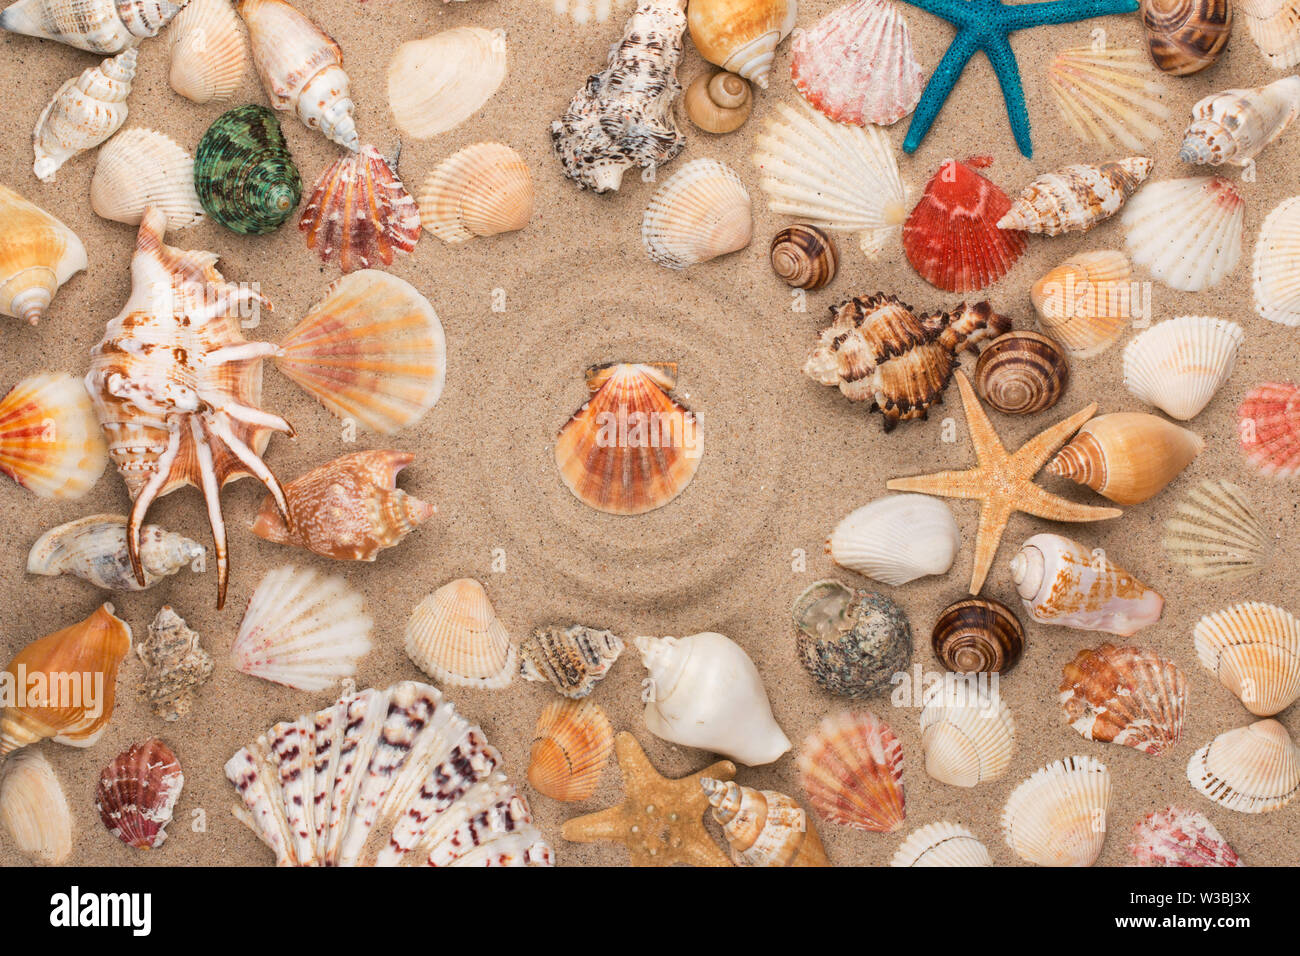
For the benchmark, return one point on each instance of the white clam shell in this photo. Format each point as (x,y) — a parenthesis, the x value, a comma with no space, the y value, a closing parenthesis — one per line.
(1179,365)
(1254,650)
(139,168)
(967,732)
(482,190)
(897,539)
(1058,816)
(438,82)
(1110,96)
(1253,769)
(941,844)
(1274,25)
(1215,533)
(85,111)
(700,213)
(207,50)
(455,636)
(33,807)
(1276,279)
(1186,232)
(94,549)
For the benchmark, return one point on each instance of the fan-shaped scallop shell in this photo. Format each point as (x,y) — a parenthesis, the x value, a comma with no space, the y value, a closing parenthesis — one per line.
(1234,126)
(1127,456)
(1277,265)
(243,173)
(1254,651)
(1186,36)
(1125,695)
(804,257)
(1021,373)
(571,745)
(207,50)
(34,809)
(851,767)
(455,636)
(1110,96)
(1179,365)
(700,213)
(1077,197)
(97,26)
(967,732)
(483,190)
(1215,533)
(85,111)
(1274,25)
(1058,816)
(741,36)
(37,255)
(1186,232)
(1087,301)
(137,794)
(1177,837)
(941,844)
(1268,428)
(572,659)
(139,168)
(897,539)
(50,442)
(1253,769)
(978,635)
(94,549)
(438,82)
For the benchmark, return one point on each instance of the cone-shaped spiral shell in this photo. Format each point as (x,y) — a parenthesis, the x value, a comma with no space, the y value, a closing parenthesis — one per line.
(139,168)
(571,745)
(34,809)
(97,26)
(372,351)
(1077,197)
(700,213)
(967,732)
(803,256)
(455,636)
(1253,769)
(438,82)
(94,549)
(176,665)
(1254,651)
(853,642)
(1277,265)
(1087,301)
(741,36)
(631,447)
(1022,372)
(50,441)
(897,539)
(1178,837)
(1179,365)
(483,190)
(1186,36)
(85,111)
(207,50)
(851,767)
(1268,428)
(137,794)
(573,659)
(978,635)
(1127,456)
(1110,96)
(941,844)
(1234,126)
(1058,816)
(1125,695)
(1186,232)
(1215,533)
(243,173)
(763,827)
(1274,25)
(37,255)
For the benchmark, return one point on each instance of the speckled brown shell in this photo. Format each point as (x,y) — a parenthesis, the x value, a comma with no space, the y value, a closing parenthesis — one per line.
(1125,695)
(1186,36)
(851,641)
(804,256)
(978,635)
(1021,373)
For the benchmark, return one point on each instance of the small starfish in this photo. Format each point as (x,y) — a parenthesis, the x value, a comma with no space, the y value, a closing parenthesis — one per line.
(660,821)
(1003,482)
(984,25)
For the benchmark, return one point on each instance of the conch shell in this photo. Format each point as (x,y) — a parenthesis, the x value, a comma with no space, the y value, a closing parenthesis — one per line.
(763,827)
(85,111)
(97,26)
(1234,126)
(94,548)
(741,36)
(1127,456)
(1076,198)
(37,255)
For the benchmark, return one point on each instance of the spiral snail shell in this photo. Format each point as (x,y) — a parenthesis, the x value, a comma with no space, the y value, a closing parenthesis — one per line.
(719,103)
(1186,36)
(804,256)
(978,635)
(243,173)
(1021,373)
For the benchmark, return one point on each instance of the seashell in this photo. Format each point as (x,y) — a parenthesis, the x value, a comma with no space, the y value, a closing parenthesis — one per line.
(140,168)
(941,844)
(571,745)
(483,190)
(1178,837)
(741,36)
(1186,36)
(37,255)
(952,237)
(175,665)
(85,111)
(700,213)
(856,64)
(1234,126)
(1215,534)
(94,549)
(1125,695)
(137,794)
(1268,428)
(372,351)
(573,659)
(389,777)
(97,26)
(90,650)
(718,103)
(438,82)
(1186,232)
(243,173)
(1126,456)
(348,509)
(1274,25)
(360,211)
(49,439)
(1087,301)
(1062,582)
(837,177)
(851,767)
(1058,816)
(1277,253)
(1021,373)
(302,630)
(1253,769)
(704,691)
(978,635)
(207,51)
(896,539)
(1179,365)
(804,256)
(455,636)
(1077,197)
(1110,96)
(967,732)
(878,349)
(34,808)
(301,68)
(851,641)
(629,472)
(1254,651)
(763,827)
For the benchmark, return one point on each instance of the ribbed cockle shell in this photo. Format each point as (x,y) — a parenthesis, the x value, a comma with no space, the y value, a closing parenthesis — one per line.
(1125,695)
(138,792)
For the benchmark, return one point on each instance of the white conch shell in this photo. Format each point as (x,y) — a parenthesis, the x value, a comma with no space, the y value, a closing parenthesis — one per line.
(1077,197)
(38,254)
(438,82)
(1234,126)
(700,213)
(941,844)
(967,732)
(741,36)
(704,691)
(1274,25)
(1253,769)
(98,26)
(86,110)
(1178,365)
(33,807)
(1110,96)
(139,168)
(1254,651)
(1277,265)
(897,539)
(94,549)
(1058,816)
(208,53)
(1186,232)
(1062,582)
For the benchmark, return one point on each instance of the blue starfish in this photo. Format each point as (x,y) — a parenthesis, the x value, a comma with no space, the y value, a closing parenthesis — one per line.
(984,25)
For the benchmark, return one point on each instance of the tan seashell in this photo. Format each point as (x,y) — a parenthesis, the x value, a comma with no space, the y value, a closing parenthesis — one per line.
(137,794)
(1274,25)
(438,82)
(763,827)
(207,50)
(1216,534)
(94,548)
(139,168)
(967,732)
(804,257)
(1234,126)
(34,809)
(1253,769)
(483,190)
(1077,197)
(1186,36)
(1186,232)
(97,26)
(941,844)
(38,254)
(455,636)
(1110,96)
(1276,280)
(1179,365)
(85,111)
(741,36)
(718,103)
(50,442)
(702,212)
(176,665)
(1021,373)
(1254,651)
(1127,456)
(1086,302)
(1125,695)
(1058,816)
(571,745)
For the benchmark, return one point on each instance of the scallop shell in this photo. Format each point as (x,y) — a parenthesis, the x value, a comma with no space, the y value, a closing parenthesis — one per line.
(455,636)
(763,827)
(1125,695)
(85,111)
(572,659)
(94,549)
(897,539)
(207,51)
(438,82)
(50,442)
(139,168)
(1254,651)
(1021,373)
(137,794)
(1274,25)
(804,257)
(1186,36)
(1058,816)
(1277,265)
(852,642)
(243,173)
(851,767)
(37,255)
(1234,126)
(34,809)
(372,351)
(1215,534)
(571,745)
(967,732)
(978,635)
(700,213)
(1253,769)
(1087,301)
(741,36)
(1110,96)
(483,190)
(1268,428)
(720,103)
(1127,456)
(1186,232)
(941,844)
(97,26)
(1177,837)
(1179,365)
(176,665)
(1077,197)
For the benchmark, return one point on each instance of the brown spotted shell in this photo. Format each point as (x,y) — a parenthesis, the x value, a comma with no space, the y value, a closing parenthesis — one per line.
(1186,36)
(1125,695)
(978,635)
(1021,373)
(804,256)
(137,793)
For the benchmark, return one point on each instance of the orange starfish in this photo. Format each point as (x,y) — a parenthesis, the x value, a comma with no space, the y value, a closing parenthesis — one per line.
(1003,482)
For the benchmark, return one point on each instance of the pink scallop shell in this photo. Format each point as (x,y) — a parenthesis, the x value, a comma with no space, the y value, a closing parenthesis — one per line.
(137,792)
(1268,427)
(1176,837)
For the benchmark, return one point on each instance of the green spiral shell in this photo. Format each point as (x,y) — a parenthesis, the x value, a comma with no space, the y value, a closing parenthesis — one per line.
(243,173)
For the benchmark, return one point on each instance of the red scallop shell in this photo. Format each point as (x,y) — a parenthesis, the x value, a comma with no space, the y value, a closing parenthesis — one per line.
(1176,837)
(1268,427)
(137,792)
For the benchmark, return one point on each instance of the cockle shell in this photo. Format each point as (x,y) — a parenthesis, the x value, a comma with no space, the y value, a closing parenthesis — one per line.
(1253,769)
(897,539)
(741,36)
(85,111)
(978,635)
(37,255)
(967,732)
(1276,279)
(1125,695)
(139,168)
(1186,232)
(1216,534)
(1021,373)
(941,844)
(1268,428)
(137,794)
(301,68)
(207,51)
(1077,197)
(804,256)
(243,173)
(79,665)
(719,103)
(1127,456)
(1087,301)
(700,213)
(438,82)
(372,351)
(1274,25)
(483,190)
(1178,365)
(571,745)
(1058,816)
(34,809)
(1234,126)
(94,549)
(97,26)
(851,767)
(1254,651)
(763,827)
(49,440)
(852,642)
(455,636)
(1060,581)
(572,659)
(1177,837)
(1110,96)
(1186,36)
(302,630)
(176,665)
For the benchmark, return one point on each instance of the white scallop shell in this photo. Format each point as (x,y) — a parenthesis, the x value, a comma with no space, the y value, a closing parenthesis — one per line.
(482,190)
(1253,769)
(1274,25)
(438,82)
(1110,96)
(941,844)
(700,213)
(208,52)
(455,636)
(1277,264)
(897,539)
(85,111)
(1179,365)
(34,808)
(1254,651)
(139,168)
(1216,534)
(1186,232)
(967,732)
(1058,816)
(583,12)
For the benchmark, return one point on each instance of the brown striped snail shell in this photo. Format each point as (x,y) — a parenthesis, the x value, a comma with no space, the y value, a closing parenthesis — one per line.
(804,256)
(1186,36)
(1021,373)
(978,635)
(719,103)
